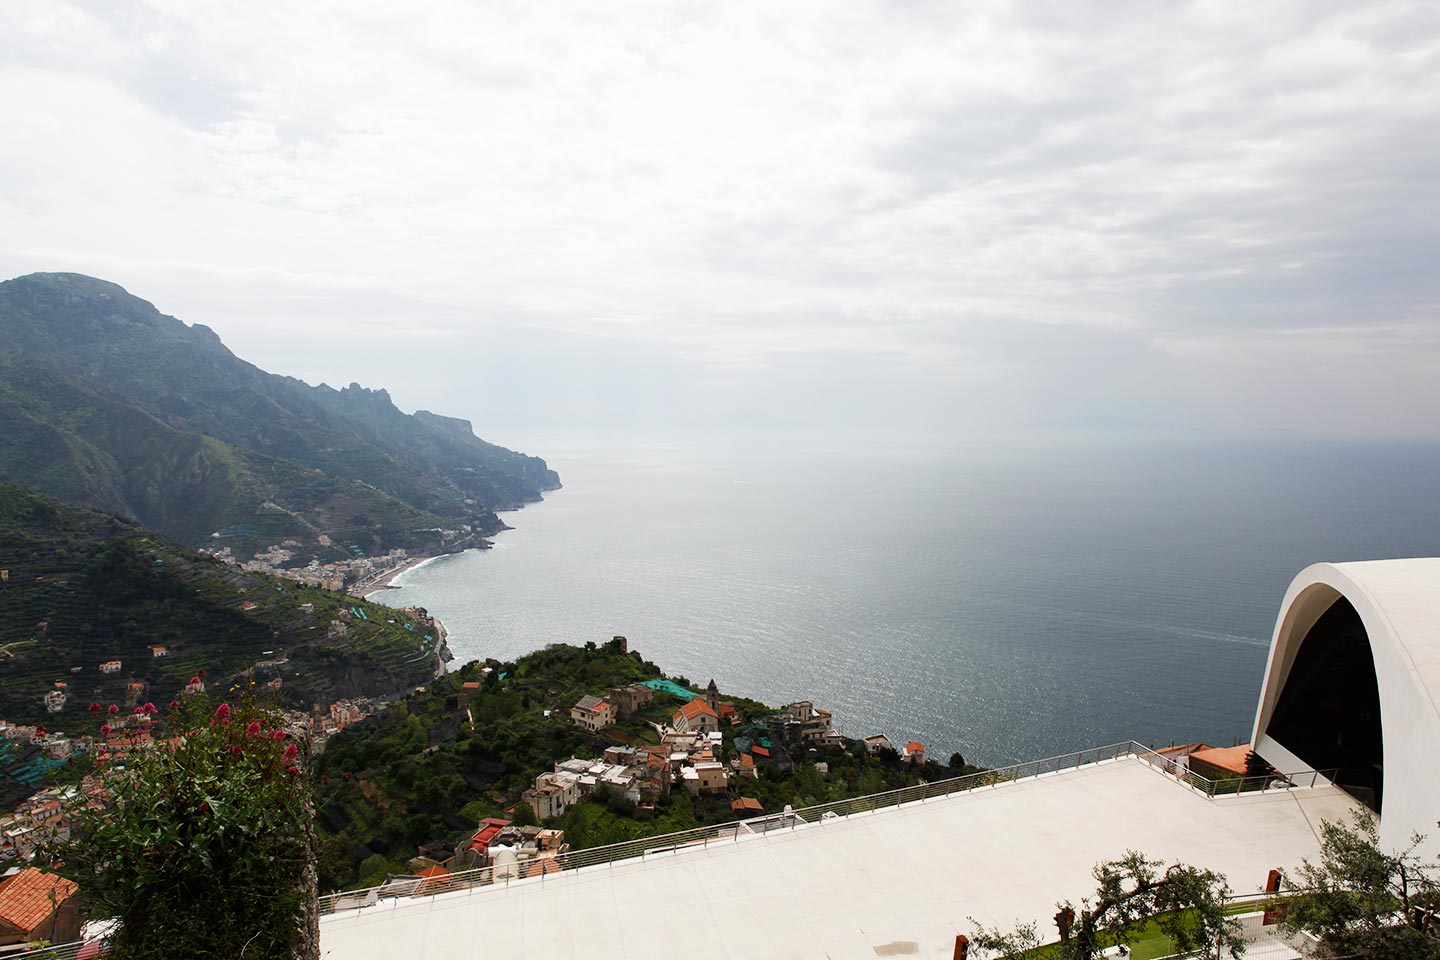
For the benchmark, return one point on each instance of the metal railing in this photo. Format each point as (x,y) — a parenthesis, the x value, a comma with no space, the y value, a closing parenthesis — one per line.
(63,951)
(703,837)
(1228,786)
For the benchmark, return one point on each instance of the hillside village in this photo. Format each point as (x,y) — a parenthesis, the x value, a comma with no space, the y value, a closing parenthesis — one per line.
(573,748)
(643,756)
(293,560)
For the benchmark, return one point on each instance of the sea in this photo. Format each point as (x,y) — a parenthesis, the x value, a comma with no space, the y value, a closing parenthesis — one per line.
(1008,601)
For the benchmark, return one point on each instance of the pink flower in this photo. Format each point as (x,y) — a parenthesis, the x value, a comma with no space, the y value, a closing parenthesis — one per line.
(292,769)
(150,709)
(201,671)
(139,711)
(237,750)
(222,712)
(174,704)
(290,752)
(277,734)
(114,709)
(105,729)
(94,708)
(252,729)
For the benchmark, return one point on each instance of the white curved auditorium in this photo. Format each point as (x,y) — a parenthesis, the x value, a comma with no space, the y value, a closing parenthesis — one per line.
(1351,685)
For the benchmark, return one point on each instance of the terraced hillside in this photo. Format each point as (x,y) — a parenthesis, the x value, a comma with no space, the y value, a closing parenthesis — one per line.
(108,402)
(79,588)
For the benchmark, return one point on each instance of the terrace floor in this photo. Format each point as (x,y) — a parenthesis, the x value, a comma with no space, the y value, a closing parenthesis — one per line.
(899,882)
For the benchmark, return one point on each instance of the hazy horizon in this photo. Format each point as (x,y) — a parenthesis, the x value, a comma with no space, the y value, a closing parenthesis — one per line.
(1199,221)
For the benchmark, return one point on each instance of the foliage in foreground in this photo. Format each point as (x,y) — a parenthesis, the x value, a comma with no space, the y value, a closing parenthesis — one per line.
(205,846)
(1361,901)
(1186,903)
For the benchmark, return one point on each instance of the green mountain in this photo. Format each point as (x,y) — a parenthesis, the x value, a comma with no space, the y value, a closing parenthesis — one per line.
(79,588)
(106,401)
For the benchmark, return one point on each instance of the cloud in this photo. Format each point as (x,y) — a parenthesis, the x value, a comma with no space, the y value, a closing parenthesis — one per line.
(927,188)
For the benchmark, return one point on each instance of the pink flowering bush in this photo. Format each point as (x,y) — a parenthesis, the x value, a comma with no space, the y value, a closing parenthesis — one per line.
(207,846)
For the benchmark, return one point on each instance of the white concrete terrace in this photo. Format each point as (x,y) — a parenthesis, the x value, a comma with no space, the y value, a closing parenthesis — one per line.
(900,881)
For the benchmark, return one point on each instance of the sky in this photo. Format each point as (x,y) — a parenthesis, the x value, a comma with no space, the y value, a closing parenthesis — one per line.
(816,218)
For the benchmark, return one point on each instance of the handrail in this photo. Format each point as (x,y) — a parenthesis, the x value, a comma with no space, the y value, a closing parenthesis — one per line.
(1231,785)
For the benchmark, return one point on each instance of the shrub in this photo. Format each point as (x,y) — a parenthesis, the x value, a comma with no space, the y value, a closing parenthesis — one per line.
(206,844)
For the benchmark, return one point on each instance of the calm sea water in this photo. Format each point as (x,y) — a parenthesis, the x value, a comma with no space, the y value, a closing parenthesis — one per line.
(1009,603)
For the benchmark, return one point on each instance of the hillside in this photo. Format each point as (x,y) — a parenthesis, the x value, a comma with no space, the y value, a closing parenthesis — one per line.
(108,402)
(427,768)
(79,588)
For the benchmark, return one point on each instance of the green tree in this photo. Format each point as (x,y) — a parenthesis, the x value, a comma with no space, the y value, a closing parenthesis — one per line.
(1187,903)
(524,815)
(1362,901)
(206,846)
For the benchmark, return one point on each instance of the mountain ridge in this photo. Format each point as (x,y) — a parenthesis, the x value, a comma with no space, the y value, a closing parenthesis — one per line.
(105,400)
(82,587)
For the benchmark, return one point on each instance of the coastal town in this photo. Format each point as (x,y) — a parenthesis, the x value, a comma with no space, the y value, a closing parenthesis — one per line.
(358,575)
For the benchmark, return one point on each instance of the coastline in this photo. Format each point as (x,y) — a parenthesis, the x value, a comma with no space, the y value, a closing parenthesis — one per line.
(443,656)
(385,580)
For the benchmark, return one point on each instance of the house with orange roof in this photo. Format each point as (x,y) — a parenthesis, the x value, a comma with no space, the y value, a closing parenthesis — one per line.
(914,752)
(35,905)
(592,713)
(746,806)
(490,827)
(747,767)
(698,716)
(1218,763)
(432,879)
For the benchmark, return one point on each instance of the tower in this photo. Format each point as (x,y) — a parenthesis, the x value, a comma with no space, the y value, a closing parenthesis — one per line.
(712,696)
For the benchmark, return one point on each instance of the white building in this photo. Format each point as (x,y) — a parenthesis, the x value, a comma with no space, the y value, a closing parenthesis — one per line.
(592,713)
(1352,685)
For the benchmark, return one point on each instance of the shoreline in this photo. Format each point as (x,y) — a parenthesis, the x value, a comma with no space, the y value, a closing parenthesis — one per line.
(385,580)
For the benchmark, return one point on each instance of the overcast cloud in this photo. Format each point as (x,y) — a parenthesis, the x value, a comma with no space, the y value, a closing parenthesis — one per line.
(669,218)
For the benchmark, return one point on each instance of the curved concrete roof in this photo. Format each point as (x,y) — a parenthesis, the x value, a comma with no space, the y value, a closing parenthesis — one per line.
(1399,604)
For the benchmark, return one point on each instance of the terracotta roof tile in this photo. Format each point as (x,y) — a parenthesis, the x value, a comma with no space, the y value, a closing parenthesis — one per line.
(696,708)
(25,900)
(1223,758)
